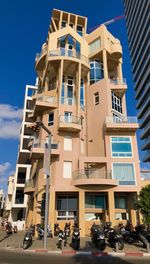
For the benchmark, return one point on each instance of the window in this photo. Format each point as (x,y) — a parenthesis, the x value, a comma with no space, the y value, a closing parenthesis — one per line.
(68,117)
(67,169)
(117,119)
(71,25)
(95,45)
(63,24)
(82,94)
(96,71)
(120,202)
(121,216)
(95,201)
(51,119)
(82,146)
(67,207)
(68,143)
(79,30)
(116,102)
(63,91)
(124,172)
(121,147)
(70,90)
(96,98)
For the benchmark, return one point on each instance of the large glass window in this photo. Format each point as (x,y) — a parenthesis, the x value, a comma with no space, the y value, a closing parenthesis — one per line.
(121,147)
(120,202)
(96,71)
(95,45)
(95,201)
(51,119)
(82,94)
(67,207)
(116,102)
(124,172)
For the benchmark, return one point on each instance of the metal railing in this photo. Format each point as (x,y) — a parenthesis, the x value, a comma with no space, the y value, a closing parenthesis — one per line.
(70,120)
(29,183)
(47,99)
(91,173)
(119,120)
(68,53)
(41,144)
(116,81)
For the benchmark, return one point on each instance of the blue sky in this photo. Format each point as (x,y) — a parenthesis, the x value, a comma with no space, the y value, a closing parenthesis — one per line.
(23,29)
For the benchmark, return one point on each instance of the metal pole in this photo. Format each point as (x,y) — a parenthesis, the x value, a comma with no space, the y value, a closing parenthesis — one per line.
(47,190)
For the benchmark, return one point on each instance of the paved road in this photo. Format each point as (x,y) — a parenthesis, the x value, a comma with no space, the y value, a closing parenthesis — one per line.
(11,257)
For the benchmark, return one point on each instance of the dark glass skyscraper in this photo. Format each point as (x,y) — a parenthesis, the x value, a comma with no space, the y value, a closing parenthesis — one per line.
(137,13)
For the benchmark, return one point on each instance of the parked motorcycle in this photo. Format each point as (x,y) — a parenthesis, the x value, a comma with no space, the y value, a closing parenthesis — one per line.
(15,229)
(98,237)
(67,229)
(27,241)
(8,228)
(40,231)
(56,229)
(76,237)
(61,239)
(113,237)
(49,231)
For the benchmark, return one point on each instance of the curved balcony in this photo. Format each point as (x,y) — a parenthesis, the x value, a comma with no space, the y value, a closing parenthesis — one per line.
(128,123)
(29,187)
(37,147)
(93,176)
(70,123)
(116,50)
(40,59)
(45,102)
(70,54)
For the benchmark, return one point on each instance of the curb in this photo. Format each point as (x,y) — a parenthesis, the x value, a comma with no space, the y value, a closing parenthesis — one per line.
(89,253)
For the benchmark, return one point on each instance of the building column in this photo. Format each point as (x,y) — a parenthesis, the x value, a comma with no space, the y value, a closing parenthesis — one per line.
(105,64)
(82,212)
(132,211)
(60,84)
(51,219)
(119,71)
(111,206)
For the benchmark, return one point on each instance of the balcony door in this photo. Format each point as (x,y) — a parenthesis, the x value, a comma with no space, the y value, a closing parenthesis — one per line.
(68,117)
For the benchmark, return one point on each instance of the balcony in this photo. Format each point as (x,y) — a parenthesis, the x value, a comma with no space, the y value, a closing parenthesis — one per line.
(128,123)
(37,147)
(119,85)
(116,50)
(40,58)
(93,176)
(70,54)
(29,187)
(70,123)
(44,102)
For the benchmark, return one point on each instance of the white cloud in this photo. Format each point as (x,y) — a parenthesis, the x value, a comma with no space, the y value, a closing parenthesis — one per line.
(10,121)
(10,112)
(5,172)
(4,167)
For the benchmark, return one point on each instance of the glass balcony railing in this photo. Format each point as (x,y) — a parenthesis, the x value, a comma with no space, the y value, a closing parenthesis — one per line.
(29,183)
(70,119)
(38,55)
(68,53)
(91,173)
(122,120)
(116,81)
(41,144)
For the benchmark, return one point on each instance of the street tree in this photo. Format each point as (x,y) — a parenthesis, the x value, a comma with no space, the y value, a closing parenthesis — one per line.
(143,204)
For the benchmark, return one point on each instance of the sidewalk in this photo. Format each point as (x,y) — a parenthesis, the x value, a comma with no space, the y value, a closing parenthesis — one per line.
(14,241)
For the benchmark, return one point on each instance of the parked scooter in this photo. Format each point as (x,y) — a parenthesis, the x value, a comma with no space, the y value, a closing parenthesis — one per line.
(113,237)
(8,228)
(67,229)
(76,237)
(49,231)
(61,239)
(98,237)
(15,229)
(27,241)
(40,231)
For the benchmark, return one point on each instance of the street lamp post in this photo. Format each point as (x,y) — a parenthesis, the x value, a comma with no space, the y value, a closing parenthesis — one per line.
(46,167)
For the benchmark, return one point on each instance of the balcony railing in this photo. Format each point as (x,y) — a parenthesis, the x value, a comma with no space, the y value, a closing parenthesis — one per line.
(29,183)
(41,144)
(70,120)
(122,120)
(47,99)
(116,81)
(91,173)
(68,53)
(38,55)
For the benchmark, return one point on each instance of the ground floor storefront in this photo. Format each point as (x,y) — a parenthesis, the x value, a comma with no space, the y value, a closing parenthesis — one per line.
(84,207)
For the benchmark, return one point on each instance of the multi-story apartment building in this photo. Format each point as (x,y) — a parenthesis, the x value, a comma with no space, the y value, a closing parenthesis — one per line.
(18,202)
(80,98)
(2,199)
(137,22)
(10,191)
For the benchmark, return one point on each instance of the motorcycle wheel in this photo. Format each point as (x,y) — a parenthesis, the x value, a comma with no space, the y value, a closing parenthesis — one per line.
(101,246)
(76,245)
(120,245)
(25,245)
